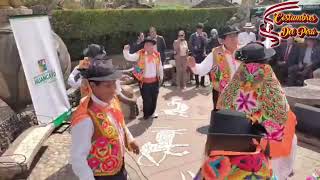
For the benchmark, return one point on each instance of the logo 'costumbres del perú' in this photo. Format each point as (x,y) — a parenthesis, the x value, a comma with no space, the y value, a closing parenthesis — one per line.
(46,75)
(280,18)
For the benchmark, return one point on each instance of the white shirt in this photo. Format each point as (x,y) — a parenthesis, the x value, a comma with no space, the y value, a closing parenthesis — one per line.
(245,38)
(209,62)
(307,56)
(150,70)
(71,81)
(81,143)
(76,84)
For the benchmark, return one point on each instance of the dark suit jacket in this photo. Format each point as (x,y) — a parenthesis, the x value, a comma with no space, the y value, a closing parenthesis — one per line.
(198,45)
(212,43)
(161,47)
(281,50)
(135,47)
(298,56)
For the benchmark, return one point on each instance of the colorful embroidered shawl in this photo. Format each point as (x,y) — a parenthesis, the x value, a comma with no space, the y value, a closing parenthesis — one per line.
(227,165)
(139,70)
(256,91)
(221,74)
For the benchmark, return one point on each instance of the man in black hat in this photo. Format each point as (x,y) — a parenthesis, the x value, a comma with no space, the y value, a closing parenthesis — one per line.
(149,72)
(232,148)
(99,132)
(161,45)
(91,53)
(198,42)
(220,62)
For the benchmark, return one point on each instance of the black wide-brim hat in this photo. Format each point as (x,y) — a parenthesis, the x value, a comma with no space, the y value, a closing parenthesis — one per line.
(231,131)
(150,40)
(94,50)
(227,30)
(254,52)
(101,70)
(231,123)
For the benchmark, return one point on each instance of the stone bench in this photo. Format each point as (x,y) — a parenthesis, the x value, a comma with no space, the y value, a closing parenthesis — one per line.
(308,119)
(312,84)
(302,95)
(17,159)
(169,72)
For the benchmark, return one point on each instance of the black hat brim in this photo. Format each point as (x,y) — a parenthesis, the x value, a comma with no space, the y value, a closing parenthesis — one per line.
(112,77)
(268,54)
(205,130)
(228,33)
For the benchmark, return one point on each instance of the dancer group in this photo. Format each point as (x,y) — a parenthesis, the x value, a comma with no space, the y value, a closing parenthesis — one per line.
(251,134)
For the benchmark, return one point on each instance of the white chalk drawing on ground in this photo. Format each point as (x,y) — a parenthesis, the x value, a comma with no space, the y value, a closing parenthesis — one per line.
(190,173)
(164,139)
(179,108)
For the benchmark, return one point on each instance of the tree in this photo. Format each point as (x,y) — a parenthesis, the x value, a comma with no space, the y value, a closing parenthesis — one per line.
(87,4)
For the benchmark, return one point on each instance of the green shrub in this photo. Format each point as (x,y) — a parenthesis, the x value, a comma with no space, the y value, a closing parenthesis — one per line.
(115,28)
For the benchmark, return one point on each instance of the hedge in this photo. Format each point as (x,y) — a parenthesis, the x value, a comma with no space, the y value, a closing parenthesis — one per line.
(115,28)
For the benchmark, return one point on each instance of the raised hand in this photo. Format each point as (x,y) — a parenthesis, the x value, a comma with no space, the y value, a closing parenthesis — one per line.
(126,47)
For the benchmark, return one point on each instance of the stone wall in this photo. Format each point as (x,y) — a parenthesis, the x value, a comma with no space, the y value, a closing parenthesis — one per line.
(12,124)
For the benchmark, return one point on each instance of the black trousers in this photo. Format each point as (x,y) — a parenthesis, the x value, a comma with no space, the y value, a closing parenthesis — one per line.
(215,96)
(197,80)
(122,175)
(149,93)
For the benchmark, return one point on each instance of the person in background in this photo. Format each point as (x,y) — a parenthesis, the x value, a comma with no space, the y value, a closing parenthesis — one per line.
(285,52)
(138,45)
(213,40)
(198,43)
(232,149)
(99,133)
(247,36)
(181,50)
(220,63)
(161,45)
(256,91)
(306,60)
(149,72)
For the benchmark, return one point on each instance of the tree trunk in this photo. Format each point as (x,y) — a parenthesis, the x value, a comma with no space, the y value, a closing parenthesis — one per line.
(87,4)
(245,7)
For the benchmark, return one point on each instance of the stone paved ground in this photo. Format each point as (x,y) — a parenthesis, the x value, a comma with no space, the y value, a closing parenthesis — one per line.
(53,161)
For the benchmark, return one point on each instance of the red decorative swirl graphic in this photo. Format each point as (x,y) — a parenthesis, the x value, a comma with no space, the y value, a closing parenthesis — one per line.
(268,22)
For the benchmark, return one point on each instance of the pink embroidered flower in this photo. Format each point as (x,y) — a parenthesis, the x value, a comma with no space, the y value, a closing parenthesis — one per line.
(249,162)
(114,145)
(101,142)
(110,164)
(93,163)
(246,102)
(252,67)
(223,84)
(274,130)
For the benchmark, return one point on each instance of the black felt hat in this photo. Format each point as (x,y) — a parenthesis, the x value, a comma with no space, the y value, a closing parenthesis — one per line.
(254,52)
(227,30)
(232,131)
(101,70)
(94,50)
(149,39)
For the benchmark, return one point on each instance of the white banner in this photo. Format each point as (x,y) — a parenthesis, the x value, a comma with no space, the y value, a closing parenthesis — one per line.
(41,67)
